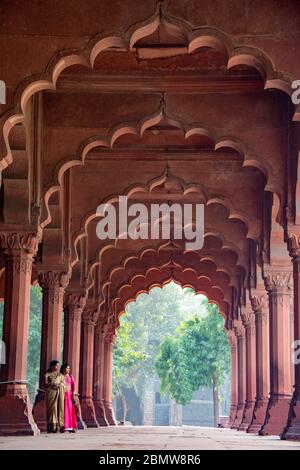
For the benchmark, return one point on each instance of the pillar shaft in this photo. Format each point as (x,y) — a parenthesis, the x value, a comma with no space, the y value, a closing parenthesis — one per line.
(107,382)
(73,308)
(261,308)
(15,407)
(241,350)
(292,430)
(53,283)
(86,385)
(278,284)
(249,323)
(99,375)
(234,379)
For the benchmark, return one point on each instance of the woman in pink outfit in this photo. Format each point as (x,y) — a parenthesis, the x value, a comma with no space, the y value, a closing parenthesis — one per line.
(70,418)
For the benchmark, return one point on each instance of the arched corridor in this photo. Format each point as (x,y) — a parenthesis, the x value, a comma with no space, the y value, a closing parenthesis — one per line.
(173,107)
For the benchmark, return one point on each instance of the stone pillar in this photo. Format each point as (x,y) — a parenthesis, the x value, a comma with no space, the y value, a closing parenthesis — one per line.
(107,384)
(15,407)
(53,284)
(249,324)
(278,284)
(99,374)
(260,305)
(74,304)
(234,378)
(292,430)
(87,365)
(241,350)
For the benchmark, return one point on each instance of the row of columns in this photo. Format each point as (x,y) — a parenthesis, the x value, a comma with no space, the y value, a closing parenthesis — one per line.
(263,371)
(88,345)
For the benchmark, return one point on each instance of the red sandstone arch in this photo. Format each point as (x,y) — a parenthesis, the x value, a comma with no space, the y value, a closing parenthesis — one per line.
(203,255)
(132,265)
(117,131)
(158,276)
(186,189)
(196,38)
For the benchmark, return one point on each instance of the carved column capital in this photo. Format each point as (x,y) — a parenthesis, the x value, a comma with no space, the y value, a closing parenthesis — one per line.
(239,329)
(54,283)
(74,305)
(89,318)
(110,334)
(260,302)
(294,245)
(232,340)
(20,241)
(100,328)
(74,300)
(279,280)
(248,320)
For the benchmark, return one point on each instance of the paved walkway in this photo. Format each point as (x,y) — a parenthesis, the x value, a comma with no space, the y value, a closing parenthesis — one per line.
(149,438)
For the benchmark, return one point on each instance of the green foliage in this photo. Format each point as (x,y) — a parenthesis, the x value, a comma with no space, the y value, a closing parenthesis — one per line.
(34,341)
(142,329)
(191,359)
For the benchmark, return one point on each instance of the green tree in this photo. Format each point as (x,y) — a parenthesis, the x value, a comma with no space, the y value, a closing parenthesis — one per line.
(142,329)
(34,340)
(128,360)
(198,355)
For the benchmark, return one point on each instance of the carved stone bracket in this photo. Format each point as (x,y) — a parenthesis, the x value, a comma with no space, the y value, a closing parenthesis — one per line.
(294,245)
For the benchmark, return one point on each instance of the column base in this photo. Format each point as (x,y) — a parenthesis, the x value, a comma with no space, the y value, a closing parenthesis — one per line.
(16,417)
(39,411)
(232,416)
(259,415)
(109,413)
(276,415)
(247,415)
(239,416)
(88,412)
(292,430)
(100,413)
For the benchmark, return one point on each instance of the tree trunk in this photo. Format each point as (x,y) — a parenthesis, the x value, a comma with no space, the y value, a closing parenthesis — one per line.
(124,407)
(216,399)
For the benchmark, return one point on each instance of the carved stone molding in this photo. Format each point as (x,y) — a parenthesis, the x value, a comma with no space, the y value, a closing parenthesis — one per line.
(239,329)
(75,301)
(262,317)
(11,241)
(18,266)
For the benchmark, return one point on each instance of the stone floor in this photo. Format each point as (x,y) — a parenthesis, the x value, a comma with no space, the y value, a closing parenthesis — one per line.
(150,438)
